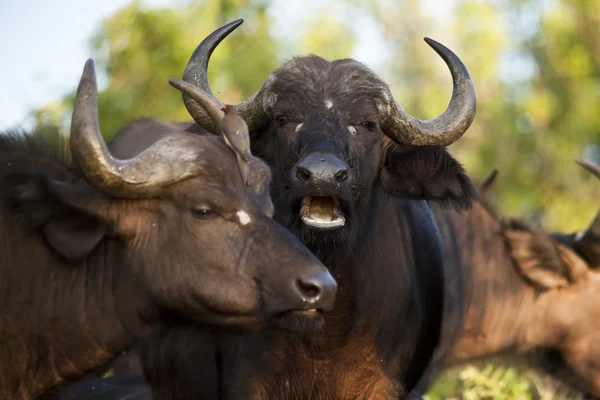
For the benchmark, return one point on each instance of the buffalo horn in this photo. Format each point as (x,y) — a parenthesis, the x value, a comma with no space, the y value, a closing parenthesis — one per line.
(489,181)
(398,125)
(165,162)
(448,127)
(588,241)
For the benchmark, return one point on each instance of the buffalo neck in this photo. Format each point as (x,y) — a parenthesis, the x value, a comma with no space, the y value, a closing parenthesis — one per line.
(500,310)
(60,320)
(382,282)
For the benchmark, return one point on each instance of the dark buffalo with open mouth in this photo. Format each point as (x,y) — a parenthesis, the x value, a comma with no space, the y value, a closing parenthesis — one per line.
(97,251)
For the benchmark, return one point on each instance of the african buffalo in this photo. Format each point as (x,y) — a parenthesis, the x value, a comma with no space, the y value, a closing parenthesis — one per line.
(352,174)
(511,290)
(514,290)
(97,252)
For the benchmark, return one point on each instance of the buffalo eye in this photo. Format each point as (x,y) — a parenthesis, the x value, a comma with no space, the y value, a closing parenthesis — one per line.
(281,120)
(370,125)
(203,212)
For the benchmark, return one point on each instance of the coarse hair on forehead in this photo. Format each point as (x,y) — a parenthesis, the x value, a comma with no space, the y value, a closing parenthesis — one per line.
(306,83)
(320,76)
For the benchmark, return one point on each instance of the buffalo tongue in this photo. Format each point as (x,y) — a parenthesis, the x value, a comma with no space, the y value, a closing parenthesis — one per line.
(322,212)
(321,208)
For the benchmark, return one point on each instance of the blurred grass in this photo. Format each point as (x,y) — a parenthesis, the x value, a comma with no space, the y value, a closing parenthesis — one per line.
(493,379)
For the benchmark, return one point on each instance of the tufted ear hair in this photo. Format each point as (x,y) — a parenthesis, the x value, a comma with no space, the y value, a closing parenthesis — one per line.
(63,213)
(427,173)
(543,261)
(260,179)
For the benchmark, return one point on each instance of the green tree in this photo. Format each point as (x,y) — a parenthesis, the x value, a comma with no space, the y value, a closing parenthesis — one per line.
(537,75)
(332,43)
(141,49)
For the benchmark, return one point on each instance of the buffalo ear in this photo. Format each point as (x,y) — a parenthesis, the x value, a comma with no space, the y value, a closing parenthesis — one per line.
(61,212)
(260,180)
(544,262)
(74,238)
(427,173)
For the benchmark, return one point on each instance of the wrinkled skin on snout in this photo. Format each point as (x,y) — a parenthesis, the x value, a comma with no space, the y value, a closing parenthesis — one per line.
(97,251)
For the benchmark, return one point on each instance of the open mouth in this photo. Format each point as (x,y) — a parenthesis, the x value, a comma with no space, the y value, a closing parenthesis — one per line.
(322,212)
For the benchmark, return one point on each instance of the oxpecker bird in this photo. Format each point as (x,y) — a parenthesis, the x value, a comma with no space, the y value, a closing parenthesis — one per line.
(236,135)
(225,119)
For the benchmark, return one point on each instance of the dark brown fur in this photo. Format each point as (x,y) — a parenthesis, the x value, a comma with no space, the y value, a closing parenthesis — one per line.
(513,290)
(387,258)
(83,275)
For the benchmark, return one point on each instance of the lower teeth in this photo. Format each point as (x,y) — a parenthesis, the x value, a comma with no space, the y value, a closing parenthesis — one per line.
(321,212)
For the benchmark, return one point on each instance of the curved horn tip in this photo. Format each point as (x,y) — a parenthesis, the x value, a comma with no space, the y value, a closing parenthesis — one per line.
(447,55)
(90,63)
(89,70)
(593,168)
(87,86)
(437,46)
(226,29)
(196,69)
(214,38)
(490,179)
(235,23)
(431,42)
(493,173)
(231,25)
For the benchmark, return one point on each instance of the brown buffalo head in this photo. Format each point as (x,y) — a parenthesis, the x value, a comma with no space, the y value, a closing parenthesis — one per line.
(180,222)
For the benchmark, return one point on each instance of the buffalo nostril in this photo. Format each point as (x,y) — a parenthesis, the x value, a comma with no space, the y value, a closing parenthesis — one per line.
(341,175)
(310,289)
(303,174)
(317,290)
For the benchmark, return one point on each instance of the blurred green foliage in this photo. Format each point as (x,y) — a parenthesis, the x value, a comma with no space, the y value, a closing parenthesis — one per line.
(535,64)
(487,383)
(494,380)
